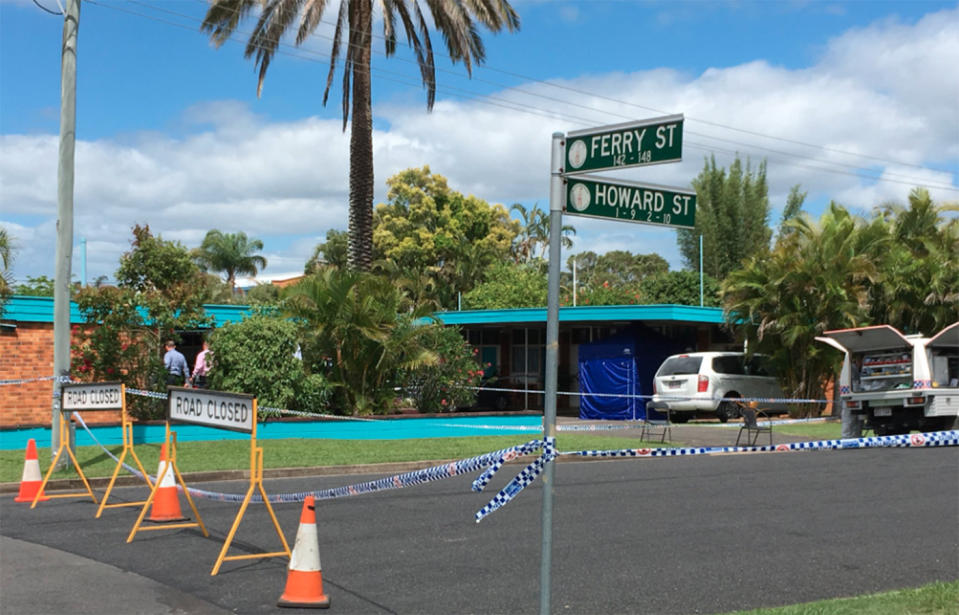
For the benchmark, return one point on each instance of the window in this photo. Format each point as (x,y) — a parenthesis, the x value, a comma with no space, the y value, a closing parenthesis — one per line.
(759,365)
(680,366)
(733,365)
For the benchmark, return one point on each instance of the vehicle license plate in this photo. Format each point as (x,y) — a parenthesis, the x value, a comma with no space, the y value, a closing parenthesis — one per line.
(674,384)
(882,411)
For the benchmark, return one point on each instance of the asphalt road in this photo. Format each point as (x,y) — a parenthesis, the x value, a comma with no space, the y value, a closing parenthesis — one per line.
(700,534)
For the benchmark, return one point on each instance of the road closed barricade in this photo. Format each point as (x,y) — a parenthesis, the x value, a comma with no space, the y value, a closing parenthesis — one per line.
(221,410)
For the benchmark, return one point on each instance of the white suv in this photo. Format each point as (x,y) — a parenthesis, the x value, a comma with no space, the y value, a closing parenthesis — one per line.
(698,381)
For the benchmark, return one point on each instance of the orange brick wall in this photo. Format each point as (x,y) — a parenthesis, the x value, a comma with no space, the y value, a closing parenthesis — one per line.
(27,352)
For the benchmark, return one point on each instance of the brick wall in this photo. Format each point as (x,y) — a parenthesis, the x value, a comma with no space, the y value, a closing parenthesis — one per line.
(27,352)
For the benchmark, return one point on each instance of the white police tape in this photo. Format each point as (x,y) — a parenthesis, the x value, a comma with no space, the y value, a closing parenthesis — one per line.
(492,462)
(26,380)
(764,400)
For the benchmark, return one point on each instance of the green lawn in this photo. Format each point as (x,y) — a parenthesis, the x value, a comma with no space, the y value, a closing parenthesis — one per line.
(934,599)
(235,454)
(824,430)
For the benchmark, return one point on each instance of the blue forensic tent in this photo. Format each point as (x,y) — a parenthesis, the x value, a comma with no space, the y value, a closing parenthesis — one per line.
(609,367)
(614,366)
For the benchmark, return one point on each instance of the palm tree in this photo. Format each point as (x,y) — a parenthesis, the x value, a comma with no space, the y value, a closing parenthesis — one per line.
(453,18)
(353,330)
(231,253)
(816,278)
(534,231)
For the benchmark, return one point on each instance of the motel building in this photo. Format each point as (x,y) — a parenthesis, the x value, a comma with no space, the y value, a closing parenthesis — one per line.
(511,344)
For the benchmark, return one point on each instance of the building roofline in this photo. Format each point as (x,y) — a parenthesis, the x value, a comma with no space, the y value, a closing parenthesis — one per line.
(23,308)
(592,313)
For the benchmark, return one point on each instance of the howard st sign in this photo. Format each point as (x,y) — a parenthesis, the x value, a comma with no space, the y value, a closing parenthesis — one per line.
(631,202)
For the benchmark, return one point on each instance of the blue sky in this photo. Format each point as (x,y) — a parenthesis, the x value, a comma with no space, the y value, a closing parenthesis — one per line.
(171,133)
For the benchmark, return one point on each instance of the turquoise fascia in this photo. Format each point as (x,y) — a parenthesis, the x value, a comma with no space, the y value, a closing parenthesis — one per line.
(22,308)
(592,313)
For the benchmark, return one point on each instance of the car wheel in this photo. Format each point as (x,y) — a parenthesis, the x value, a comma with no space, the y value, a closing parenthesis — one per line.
(680,417)
(726,410)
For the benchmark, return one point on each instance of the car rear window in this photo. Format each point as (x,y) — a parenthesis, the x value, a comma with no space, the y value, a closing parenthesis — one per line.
(675,366)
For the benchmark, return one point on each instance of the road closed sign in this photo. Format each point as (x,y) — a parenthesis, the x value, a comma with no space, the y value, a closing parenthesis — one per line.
(93,396)
(212,408)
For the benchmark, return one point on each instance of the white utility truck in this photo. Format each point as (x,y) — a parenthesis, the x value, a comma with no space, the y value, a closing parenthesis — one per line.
(895,383)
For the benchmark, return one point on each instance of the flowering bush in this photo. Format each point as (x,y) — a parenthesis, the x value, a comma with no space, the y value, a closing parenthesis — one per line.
(608,294)
(446,386)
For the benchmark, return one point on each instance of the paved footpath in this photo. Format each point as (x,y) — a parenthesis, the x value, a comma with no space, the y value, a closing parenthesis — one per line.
(42,580)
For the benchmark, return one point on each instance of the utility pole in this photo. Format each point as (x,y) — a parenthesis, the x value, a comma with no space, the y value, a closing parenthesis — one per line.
(64,253)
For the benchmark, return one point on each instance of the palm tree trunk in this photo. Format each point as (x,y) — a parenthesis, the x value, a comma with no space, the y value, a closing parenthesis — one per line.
(361,140)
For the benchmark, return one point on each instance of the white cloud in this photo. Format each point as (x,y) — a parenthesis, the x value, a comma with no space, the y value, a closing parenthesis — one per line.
(885,91)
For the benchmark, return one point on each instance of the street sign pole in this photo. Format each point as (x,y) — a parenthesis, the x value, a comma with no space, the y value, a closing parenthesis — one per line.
(556,202)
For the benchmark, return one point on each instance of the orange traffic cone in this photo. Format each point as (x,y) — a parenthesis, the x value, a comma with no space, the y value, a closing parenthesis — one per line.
(31,481)
(304,582)
(166,502)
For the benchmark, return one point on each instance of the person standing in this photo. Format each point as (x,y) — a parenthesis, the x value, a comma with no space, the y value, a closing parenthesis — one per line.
(202,367)
(177,370)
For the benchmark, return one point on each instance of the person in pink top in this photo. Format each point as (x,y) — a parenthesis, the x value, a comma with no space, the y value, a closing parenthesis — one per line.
(202,367)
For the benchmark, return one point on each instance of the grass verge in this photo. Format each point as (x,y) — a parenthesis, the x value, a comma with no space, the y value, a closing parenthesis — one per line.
(934,599)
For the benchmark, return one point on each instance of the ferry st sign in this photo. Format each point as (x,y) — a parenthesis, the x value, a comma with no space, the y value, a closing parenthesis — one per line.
(596,197)
(633,144)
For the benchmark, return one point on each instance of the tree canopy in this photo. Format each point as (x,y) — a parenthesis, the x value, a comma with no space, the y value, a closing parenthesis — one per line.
(508,285)
(732,215)
(427,227)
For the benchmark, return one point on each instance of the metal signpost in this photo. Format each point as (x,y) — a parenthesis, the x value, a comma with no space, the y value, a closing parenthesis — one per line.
(643,143)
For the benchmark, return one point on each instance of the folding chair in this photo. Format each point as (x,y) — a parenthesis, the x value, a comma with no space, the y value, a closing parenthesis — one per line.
(657,416)
(751,424)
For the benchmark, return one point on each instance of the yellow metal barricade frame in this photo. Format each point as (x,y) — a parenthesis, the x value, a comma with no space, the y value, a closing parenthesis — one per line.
(170,443)
(64,438)
(127,426)
(256,483)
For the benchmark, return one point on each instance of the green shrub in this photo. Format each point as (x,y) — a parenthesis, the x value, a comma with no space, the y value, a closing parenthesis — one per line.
(258,356)
(445,386)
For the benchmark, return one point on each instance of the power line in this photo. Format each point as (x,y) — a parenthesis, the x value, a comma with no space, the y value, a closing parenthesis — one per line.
(403,79)
(644,107)
(60,13)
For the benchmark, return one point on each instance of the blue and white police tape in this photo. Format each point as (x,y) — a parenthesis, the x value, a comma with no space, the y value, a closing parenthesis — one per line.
(931,439)
(659,397)
(145,393)
(519,482)
(408,479)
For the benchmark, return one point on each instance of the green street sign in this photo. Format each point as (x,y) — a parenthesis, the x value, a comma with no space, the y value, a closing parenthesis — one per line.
(596,197)
(632,144)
